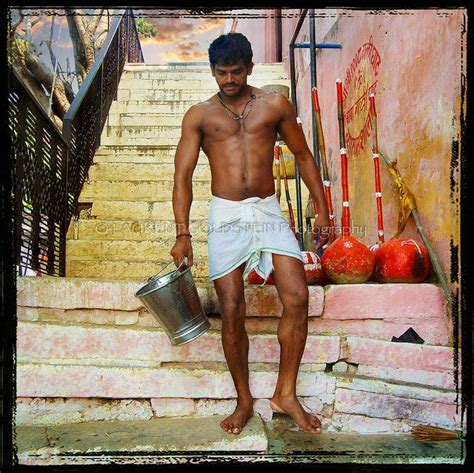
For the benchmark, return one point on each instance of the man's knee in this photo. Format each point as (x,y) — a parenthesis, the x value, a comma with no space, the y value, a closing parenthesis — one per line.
(296,298)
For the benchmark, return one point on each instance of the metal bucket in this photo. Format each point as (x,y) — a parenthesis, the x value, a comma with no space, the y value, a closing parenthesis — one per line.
(174,301)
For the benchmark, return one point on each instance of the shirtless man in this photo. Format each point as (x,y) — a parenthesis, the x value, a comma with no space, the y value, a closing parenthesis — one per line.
(237,129)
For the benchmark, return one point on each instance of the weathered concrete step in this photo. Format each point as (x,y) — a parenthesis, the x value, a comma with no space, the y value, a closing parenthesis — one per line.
(124,346)
(117,250)
(200,81)
(191,380)
(154,441)
(149,191)
(154,106)
(91,442)
(119,296)
(146,119)
(156,132)
(138,211)
(187,67)
(164,138)
(143,172)
(127,270)
(207,89)
(197,95)
(133,230)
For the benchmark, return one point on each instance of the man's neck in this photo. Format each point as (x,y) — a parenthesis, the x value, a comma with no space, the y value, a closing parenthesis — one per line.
(244,95)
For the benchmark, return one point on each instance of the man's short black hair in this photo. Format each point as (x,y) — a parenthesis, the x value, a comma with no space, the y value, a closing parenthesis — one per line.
(229,49)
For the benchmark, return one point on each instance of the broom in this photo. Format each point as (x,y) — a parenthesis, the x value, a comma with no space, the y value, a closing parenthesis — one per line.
(287,190)
(276,157)
(427,433)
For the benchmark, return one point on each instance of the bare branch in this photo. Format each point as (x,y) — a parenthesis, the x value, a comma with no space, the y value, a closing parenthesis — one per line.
(18,22)
(96,21)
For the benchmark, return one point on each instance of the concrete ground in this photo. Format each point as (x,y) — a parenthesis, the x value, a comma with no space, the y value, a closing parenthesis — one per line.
(200,439)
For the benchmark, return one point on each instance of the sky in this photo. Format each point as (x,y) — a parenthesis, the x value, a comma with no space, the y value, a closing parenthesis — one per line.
(181,36)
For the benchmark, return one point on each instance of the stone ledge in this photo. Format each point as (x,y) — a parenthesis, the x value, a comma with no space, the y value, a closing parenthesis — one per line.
(364,351)
(384,301)
(61,380)
(154,435)
(85,293)
(92,345)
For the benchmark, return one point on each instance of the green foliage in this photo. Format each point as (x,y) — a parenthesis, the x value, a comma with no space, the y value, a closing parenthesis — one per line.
(147,30)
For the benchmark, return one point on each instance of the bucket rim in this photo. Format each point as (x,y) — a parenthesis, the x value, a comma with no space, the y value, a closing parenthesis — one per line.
(149,286)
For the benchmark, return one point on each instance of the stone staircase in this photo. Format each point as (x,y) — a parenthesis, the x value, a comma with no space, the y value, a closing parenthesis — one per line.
(89,352)
(126,229)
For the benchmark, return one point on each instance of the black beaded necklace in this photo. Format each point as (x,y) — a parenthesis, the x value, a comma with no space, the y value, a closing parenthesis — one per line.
(234,115)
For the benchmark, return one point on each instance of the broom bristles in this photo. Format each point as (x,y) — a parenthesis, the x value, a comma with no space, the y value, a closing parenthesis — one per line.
(427,433)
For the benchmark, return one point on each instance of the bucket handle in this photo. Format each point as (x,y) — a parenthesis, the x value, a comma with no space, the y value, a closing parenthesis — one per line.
(165,266)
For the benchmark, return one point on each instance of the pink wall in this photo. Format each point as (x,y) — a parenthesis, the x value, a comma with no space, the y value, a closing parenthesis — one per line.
(260,31)
(413,61)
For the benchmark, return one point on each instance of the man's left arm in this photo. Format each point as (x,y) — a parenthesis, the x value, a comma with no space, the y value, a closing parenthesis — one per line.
(295,139)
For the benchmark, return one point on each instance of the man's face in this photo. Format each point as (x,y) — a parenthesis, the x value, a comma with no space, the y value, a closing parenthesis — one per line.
(231,79)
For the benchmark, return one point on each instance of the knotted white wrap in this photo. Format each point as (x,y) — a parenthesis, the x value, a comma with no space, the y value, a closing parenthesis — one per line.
(247,230)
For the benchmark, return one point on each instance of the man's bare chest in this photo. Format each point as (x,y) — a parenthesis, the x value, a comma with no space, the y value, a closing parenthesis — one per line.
(219,125)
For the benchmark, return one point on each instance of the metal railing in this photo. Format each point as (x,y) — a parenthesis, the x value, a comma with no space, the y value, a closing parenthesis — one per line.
(312,45)
(50,167)
(85,119)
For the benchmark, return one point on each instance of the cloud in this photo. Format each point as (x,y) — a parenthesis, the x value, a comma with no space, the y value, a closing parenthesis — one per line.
(189,51)
(185,55)
(170,30)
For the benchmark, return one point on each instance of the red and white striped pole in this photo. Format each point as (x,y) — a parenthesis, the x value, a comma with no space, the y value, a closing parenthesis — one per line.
(324,164)
(346,215)
(376,159)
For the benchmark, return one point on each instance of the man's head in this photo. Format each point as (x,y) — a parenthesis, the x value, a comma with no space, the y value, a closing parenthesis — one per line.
(229,49)
(230,56)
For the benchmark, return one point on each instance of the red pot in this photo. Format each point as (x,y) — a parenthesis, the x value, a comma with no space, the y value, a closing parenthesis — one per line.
(402,260)
(255,278)
(347,260)
(313,269)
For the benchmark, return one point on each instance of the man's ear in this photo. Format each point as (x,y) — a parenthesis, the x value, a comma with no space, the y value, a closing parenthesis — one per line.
(213,70)
(250,69)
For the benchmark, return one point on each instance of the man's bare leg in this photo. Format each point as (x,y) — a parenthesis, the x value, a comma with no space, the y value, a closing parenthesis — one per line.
(291,285)
(230,291)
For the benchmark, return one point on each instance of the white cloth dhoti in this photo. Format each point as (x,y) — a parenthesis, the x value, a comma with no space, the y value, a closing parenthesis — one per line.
(247,230)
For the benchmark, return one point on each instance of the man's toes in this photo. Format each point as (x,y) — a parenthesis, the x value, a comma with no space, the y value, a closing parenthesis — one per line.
(236,430)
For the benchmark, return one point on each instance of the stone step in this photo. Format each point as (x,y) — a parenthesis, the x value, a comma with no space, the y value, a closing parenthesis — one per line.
(203,90)
(134,190)
(138,211)
(353,311)
(163,138)
(161,441)
(125,119)
(36,294)
(194,81)
(143,172)
(188,67)
(115,250)
(154,106)
(153,153)
(139,229)
(128,270)
(178,380)
(133,442)
(160,133)
(149,347)
(197,95)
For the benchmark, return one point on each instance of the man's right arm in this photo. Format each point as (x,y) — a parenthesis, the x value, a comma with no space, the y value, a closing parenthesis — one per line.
(185,160)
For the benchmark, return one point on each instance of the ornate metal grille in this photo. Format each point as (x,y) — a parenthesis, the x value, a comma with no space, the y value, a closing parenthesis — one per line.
(40,157)
(50,168)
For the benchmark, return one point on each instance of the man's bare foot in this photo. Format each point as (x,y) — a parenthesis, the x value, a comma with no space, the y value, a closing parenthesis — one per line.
(292,407)
(236,421)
